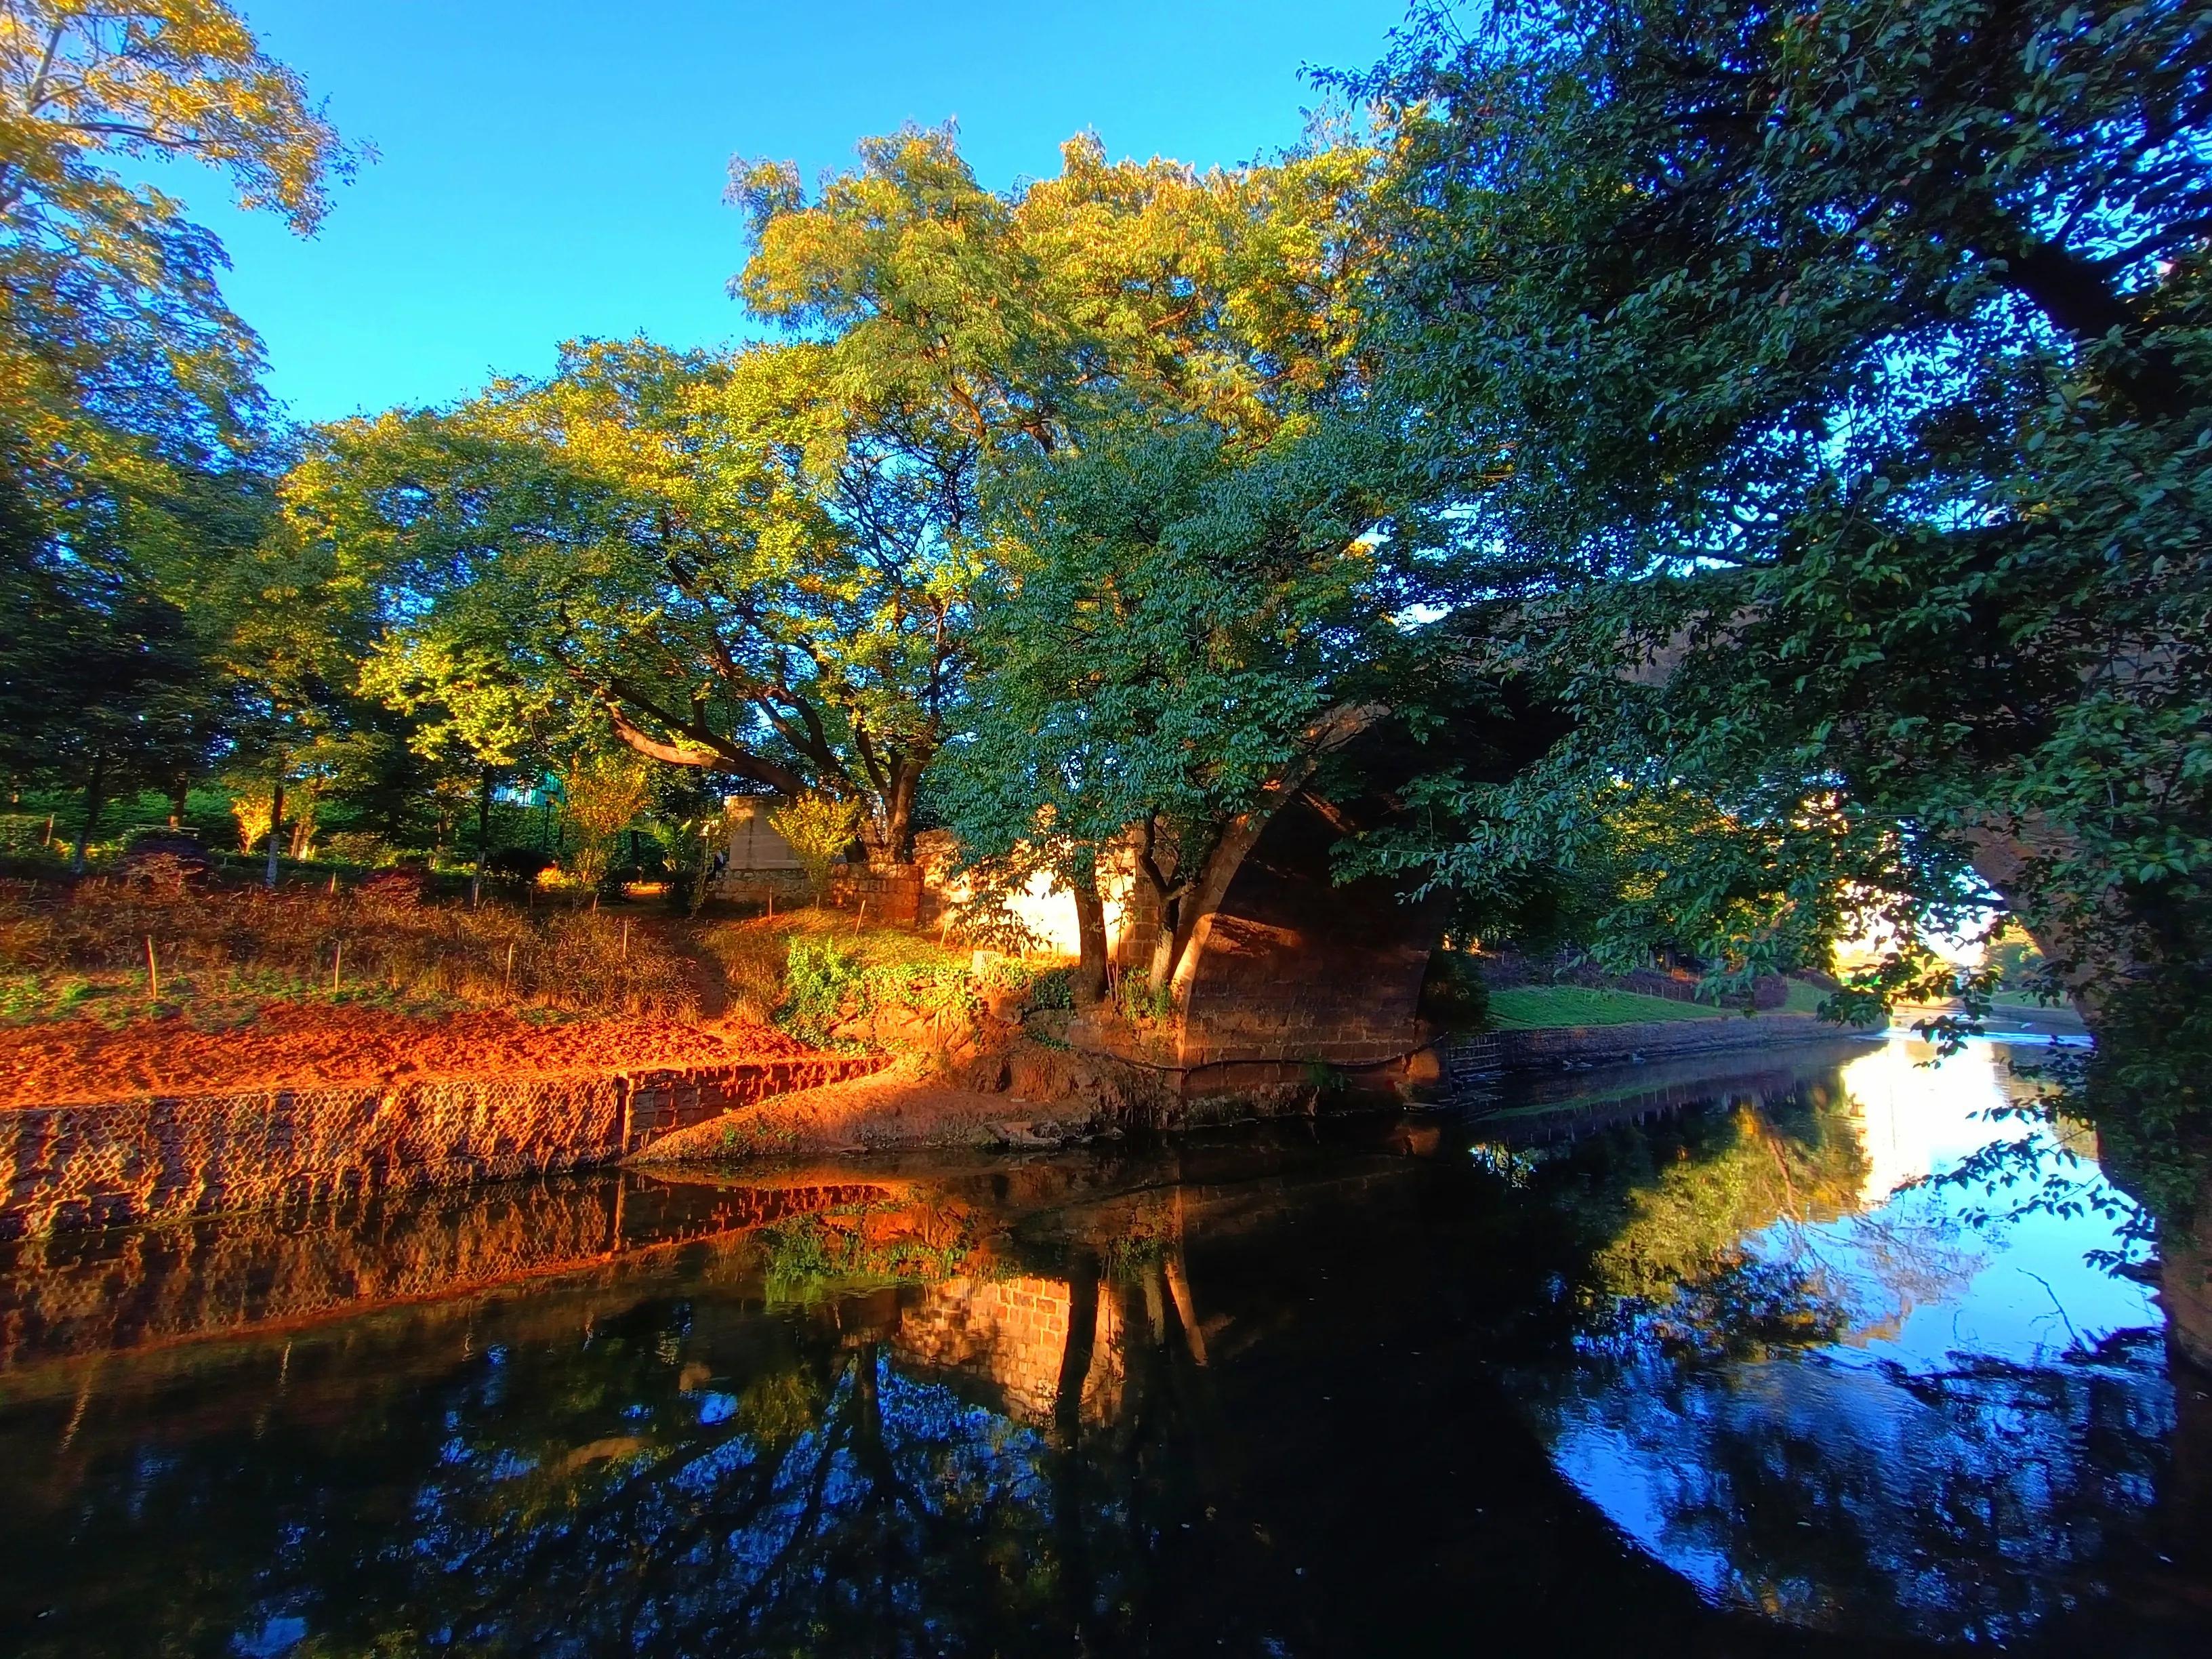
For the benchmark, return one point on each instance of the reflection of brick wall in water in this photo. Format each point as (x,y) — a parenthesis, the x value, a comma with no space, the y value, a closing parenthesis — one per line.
(63,1168)
(1012,1334)
(78,1293)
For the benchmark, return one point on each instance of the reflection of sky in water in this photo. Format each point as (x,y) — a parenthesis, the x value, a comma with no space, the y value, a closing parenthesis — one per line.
(2033,1292)
(1945,1470)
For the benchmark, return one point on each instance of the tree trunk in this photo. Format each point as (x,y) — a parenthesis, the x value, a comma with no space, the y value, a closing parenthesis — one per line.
(303,829)
(898,829)
(180,799)
(1080,1346)
(1167,947)
(93,800)
(276,826)
(1090,933)
(483,837)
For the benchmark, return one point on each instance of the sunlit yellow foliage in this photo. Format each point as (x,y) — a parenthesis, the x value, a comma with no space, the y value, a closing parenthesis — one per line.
(1230,294)
(118,359)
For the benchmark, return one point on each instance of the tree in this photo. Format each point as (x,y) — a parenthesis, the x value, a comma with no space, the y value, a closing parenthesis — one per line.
(1185,632)
(1827,386)
(117,355)
(103,686)
(698,553)
(764,563)
(130,407)
(603,793)
(1233,295)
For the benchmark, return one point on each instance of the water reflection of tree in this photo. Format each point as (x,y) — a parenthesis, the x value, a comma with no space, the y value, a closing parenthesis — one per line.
(683,1477)
(1666,1214)
(1720,1253)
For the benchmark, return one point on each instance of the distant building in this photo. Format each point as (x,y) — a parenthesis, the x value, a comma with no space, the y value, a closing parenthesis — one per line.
(755,846)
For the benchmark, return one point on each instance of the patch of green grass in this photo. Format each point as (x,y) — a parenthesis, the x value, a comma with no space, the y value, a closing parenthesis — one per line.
(1535,1007)
(1803,999)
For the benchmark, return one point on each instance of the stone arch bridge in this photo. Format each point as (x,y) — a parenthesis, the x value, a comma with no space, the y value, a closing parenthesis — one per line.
(1288,968)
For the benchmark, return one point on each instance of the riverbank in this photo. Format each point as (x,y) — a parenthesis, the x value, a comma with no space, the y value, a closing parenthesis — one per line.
(1563,1047)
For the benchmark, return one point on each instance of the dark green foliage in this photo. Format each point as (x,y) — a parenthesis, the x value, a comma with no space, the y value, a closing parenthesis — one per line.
(1452,994)
(1053,988)
(1832,390)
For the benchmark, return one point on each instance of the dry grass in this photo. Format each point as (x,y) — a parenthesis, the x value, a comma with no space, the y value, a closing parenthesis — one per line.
(222,952)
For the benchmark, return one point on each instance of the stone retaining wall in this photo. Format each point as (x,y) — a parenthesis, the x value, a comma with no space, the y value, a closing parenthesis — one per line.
(1557,1047)
(893,896)
(68,1167)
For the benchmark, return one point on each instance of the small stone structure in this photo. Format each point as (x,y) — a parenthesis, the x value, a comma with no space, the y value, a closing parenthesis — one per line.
(68,1167)
(755,846)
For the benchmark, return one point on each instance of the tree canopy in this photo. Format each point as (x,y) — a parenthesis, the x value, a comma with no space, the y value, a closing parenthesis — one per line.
(1829,387)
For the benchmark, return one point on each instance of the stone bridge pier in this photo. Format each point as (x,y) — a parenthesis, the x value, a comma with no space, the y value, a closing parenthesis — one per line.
(1288,970)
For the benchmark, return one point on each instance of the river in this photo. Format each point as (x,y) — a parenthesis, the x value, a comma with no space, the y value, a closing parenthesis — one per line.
(1768,1362)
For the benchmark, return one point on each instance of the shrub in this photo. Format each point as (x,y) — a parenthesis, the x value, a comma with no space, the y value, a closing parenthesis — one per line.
(604,793)
(363,848)
(818,830)
(1139,1003)
(1053,988)
(818,977)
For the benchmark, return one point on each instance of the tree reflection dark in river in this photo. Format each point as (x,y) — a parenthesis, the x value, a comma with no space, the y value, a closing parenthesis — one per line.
(1627,1372)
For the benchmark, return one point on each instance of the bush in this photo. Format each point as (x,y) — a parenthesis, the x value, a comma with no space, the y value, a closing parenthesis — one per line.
(1053,988)
(817,828)
(365,848)
(818,977)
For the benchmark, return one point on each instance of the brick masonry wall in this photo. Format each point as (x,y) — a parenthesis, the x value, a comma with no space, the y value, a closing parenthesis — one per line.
(1604,1045)
(63,1168)
(1296,968)
(2185,1286)
(894,897)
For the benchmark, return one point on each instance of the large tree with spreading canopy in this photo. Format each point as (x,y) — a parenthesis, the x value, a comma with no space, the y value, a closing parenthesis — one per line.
(1831,387)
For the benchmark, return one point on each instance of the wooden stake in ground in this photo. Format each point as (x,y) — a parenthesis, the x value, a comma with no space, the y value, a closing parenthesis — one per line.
(153,973)
(338,956)
(625,950)
(859,916)
(334,884)
(771,904)
(50,828)
(510,968)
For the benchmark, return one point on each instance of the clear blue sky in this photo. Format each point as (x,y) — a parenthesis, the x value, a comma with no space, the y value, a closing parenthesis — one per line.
(554,168)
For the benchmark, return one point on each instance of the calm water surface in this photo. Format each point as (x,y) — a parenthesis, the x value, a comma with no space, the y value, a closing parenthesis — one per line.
(1642,1363)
